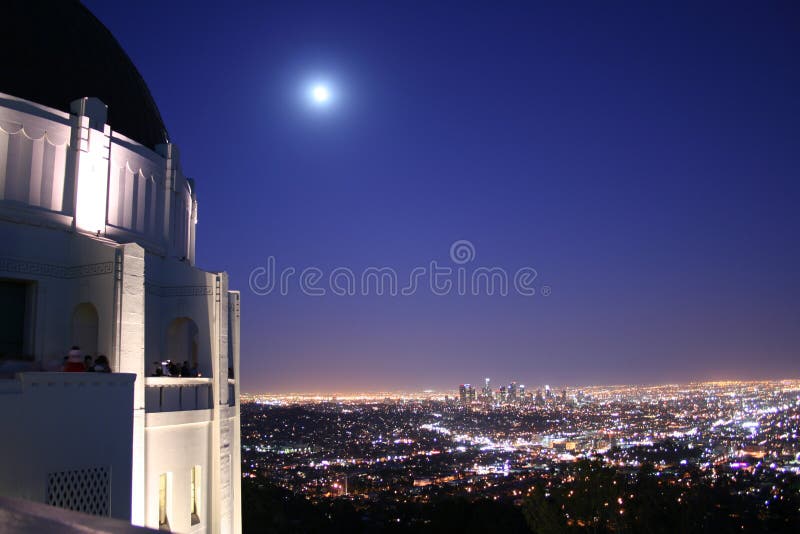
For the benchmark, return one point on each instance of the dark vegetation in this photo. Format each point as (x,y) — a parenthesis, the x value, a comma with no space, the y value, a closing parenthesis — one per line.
(588,498)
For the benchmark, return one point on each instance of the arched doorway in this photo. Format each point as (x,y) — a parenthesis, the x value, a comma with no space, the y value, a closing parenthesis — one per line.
(182,342)
(85,325)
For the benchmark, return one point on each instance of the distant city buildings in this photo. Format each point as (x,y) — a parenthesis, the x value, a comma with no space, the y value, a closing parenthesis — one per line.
(514,393)
(466,393)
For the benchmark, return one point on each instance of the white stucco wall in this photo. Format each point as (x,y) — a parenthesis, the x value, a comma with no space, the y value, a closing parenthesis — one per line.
(69,269)
(66,422)
(73,170)
(175,443)
(34,144)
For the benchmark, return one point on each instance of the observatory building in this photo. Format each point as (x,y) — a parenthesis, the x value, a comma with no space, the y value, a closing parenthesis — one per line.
(97,250)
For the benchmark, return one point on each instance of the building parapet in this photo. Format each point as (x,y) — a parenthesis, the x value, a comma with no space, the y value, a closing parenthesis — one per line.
(174,394)
(72,439)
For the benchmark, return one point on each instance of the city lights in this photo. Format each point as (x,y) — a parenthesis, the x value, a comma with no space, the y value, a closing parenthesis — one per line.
(501,443)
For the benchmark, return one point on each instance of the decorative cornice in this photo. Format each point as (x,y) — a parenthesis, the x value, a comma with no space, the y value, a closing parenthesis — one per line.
(177,291)
(33,133)
(11,265)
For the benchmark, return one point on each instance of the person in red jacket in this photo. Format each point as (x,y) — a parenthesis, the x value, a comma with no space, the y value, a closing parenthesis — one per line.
(74,363)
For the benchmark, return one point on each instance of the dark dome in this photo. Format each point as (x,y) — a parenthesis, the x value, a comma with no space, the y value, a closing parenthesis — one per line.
(54,52)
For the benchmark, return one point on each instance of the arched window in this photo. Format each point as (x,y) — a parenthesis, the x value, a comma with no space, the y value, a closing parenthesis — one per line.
(85,325)
(182,343)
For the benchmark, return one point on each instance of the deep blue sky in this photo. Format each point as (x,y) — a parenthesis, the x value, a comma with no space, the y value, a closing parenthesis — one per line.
(644,159)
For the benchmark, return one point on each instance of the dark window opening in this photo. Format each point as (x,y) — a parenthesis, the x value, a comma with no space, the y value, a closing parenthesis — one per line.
(16,319)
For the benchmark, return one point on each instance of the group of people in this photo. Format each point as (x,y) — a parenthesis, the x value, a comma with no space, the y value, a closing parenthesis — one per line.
(76,362)
(170,368)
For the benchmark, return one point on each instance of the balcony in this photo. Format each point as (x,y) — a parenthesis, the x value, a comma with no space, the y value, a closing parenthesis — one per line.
(173,394)
(64,429)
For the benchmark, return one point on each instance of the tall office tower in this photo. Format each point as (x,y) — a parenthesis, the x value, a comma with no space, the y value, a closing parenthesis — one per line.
(503,394)
(522,392)
(512,392)
(462,393)
(470,392)
(97,250)
(547,393)
(539,398)
(564,395)
(487,390)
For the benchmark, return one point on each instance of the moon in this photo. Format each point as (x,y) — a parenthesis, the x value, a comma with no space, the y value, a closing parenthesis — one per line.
(320,94)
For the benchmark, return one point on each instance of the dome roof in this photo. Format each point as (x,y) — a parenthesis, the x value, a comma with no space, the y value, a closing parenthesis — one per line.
(57,52)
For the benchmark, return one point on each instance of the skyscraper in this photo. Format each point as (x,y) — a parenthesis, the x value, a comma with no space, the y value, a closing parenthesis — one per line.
(462,393)
(512,392)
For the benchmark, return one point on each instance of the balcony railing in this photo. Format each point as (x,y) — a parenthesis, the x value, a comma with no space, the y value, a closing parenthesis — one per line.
(172,394)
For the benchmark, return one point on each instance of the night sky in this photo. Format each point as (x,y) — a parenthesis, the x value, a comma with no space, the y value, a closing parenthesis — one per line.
(643,159)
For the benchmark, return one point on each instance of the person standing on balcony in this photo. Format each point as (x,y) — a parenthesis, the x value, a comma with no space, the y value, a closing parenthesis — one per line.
(74,363)
(101,365)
